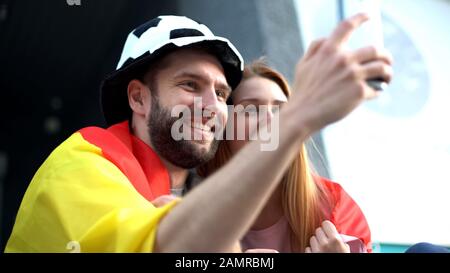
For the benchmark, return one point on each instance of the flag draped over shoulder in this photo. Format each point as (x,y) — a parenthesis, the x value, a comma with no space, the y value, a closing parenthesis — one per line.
(92,194)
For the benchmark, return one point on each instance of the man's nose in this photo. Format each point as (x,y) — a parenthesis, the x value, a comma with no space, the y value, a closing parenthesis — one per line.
(209,98)
(210,102)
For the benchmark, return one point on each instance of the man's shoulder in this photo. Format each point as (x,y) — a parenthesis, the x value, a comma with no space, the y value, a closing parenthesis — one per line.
(91,135)
(83,140)
(94,134)
(88,149)
(92,128)
(88,140)
(115,141)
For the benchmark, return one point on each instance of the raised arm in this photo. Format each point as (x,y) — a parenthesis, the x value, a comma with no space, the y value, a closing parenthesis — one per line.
(329,84)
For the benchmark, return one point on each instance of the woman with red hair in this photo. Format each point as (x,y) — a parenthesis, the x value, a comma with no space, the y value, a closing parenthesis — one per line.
(306,212)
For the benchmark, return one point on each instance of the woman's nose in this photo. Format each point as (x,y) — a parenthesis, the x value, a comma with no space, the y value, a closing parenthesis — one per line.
(270,112)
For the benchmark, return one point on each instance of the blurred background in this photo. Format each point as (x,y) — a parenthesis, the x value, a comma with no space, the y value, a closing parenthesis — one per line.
(392,155)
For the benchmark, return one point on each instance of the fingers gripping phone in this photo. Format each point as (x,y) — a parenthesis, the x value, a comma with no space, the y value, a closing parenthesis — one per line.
(370,33)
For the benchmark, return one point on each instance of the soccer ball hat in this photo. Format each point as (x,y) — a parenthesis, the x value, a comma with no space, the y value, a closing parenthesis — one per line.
(152,40)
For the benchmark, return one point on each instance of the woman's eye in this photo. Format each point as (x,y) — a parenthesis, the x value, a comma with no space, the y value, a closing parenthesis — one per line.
(275,109)
(251,108)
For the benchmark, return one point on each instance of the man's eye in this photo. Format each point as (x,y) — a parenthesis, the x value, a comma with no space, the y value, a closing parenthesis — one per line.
(221,94)
(189,85)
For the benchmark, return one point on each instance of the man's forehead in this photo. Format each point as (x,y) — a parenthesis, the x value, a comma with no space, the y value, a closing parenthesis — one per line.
(195,63)
(192,56)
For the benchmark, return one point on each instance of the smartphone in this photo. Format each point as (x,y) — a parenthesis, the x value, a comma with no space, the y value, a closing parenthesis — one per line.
(370,33)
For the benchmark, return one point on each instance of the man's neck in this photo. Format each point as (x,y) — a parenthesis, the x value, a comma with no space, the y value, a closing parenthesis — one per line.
(177,175)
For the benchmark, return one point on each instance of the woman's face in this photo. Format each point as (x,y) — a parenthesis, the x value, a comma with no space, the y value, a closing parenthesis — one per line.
(250,95)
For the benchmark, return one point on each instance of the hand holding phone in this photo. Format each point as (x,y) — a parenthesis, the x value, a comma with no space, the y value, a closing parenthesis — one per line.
(369,34)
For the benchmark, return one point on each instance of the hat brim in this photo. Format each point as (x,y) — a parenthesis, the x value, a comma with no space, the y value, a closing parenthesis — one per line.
(113,90)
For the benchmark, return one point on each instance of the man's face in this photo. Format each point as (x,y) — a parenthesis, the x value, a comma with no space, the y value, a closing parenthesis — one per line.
(191,80)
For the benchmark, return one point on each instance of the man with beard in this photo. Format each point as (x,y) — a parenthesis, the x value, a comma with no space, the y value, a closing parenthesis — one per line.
(94,193)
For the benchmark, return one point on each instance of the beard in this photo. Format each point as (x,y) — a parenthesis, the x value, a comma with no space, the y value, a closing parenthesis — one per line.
(182,153)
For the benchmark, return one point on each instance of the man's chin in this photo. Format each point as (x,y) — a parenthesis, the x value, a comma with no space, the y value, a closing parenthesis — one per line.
(201,145)
(204,147)
(200,152)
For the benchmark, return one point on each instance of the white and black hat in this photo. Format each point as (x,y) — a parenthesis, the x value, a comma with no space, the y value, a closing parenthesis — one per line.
(157,38)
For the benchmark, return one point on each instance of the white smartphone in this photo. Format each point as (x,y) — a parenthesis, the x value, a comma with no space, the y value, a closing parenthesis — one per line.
(370,33)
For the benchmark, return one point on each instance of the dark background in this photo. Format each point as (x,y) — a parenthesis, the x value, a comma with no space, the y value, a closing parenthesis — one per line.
(53,57)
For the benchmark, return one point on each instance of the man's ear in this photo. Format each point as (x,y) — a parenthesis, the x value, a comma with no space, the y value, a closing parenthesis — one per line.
(138,97)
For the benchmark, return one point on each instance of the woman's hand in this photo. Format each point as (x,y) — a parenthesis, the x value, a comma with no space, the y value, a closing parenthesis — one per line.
(327,240)
(330,81)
